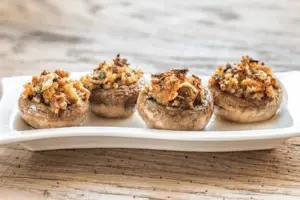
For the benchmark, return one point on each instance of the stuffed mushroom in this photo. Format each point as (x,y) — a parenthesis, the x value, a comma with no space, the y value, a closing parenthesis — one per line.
(53,100)
(246,92)
(175,102)
(114,88)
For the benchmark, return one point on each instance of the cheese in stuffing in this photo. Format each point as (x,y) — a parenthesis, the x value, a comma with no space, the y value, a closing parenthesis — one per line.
(111,75)
(175,89)
(249,79)
(55,89)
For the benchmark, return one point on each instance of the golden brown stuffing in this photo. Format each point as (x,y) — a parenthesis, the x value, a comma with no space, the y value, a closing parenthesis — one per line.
(250,79)
(112,75)
(55,90)
(175,89)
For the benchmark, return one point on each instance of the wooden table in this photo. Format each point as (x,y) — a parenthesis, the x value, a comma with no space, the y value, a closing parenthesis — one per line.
(155,35)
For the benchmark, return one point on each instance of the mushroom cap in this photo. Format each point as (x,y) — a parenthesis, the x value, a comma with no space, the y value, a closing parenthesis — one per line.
(41,116)
(115,103)
(159,116)
(244,110)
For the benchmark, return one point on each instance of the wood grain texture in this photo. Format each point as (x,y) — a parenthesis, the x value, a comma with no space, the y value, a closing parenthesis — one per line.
(154,35)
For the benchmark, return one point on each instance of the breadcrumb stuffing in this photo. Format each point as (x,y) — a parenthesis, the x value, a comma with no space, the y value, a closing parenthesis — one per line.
(55,89)
(174,88)
(250,79)
(111,75)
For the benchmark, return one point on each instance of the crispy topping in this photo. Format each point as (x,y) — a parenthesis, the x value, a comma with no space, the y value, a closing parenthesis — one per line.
(250,79)
(175,89)
(55,90)
(111,75)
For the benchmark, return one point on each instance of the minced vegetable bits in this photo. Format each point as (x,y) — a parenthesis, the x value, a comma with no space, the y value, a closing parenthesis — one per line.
(175,89)
(112,75)
(55,90)
(250,79)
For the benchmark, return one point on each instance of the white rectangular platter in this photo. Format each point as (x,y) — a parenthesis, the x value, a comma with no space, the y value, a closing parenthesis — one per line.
(95,132)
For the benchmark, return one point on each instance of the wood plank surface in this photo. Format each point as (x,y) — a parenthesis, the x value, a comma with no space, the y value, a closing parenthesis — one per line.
(155,36)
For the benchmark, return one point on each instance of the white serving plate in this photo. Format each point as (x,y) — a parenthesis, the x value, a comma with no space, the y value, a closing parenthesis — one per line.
(219,135)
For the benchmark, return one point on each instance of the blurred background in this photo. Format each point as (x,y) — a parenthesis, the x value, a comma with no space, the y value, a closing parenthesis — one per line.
(154,35)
